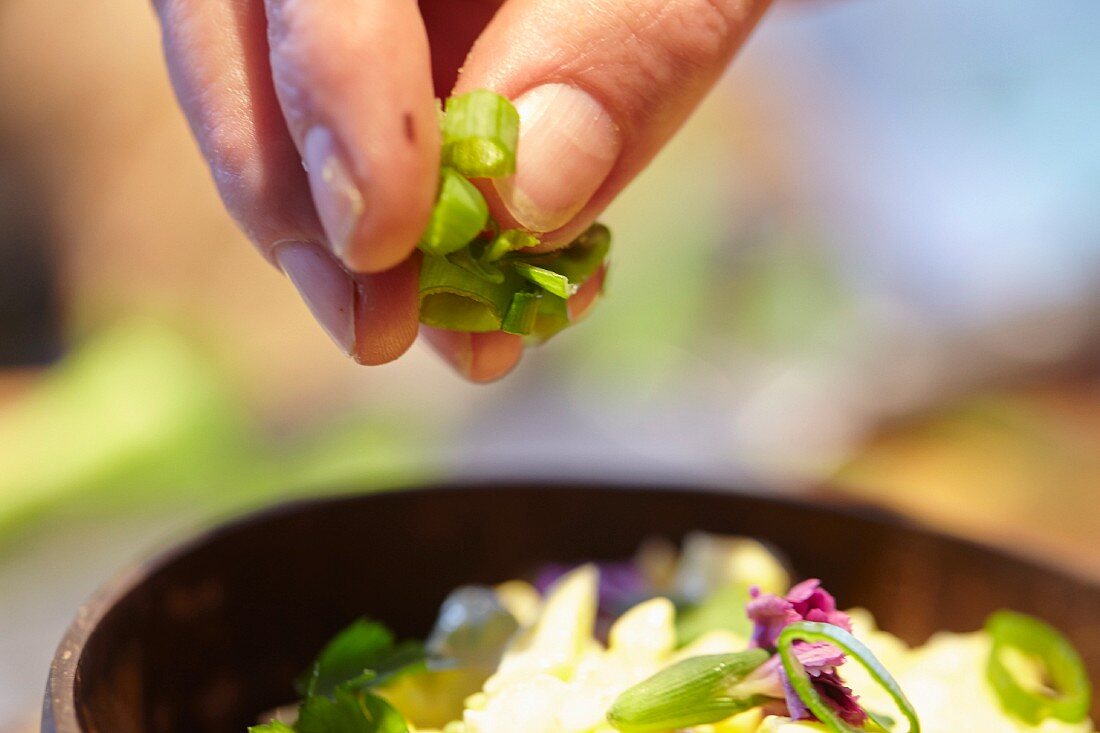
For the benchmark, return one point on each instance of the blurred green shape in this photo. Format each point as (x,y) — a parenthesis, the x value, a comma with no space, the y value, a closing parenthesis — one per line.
(358,452)
(136,408)
(138,417)
(723,610)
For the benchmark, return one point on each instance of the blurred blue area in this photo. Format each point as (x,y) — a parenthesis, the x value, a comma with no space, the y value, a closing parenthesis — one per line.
(951,148)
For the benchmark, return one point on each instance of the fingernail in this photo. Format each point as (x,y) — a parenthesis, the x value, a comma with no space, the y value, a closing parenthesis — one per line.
(567,146)
(325,287)
(337,197)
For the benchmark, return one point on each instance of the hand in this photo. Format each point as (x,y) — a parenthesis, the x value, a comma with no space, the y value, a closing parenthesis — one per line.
(318,120)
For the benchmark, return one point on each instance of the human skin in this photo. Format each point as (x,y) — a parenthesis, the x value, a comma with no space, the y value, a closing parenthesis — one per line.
(318,120)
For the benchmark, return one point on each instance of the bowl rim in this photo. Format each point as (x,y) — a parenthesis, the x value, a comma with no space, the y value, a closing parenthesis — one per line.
(59,707)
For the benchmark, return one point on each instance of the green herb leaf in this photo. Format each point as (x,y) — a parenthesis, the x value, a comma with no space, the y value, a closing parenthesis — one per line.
(460,214)
(480,134)
(691,692)
(363,654)
(348,712)
(1060,688)
(855,649)
(722,610)
(550,281)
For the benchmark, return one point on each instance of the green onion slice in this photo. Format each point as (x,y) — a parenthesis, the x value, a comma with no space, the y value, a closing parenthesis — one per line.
(803,687)
(584,255)
(552,282)
(1023,647)
(480,133)
(509,241)
(459,215)
(522,314)
(553,317)
(694,691)
(454,298)
(485,270)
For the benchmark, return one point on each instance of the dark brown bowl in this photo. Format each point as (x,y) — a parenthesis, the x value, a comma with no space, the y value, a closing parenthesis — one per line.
(209,634)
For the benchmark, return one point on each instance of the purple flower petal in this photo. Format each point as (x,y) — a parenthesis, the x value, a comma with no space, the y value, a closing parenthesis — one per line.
(840,698)
(807,601)
(770,615)
(818,657)
(621,586)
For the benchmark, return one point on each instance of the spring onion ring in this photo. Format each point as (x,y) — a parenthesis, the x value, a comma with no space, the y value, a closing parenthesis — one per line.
(1036,642)
(838,637)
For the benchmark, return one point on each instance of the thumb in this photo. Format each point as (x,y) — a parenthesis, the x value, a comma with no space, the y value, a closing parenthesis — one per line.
(600,87)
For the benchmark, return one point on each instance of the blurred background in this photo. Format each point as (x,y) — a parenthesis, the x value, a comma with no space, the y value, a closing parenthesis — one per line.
(871,259)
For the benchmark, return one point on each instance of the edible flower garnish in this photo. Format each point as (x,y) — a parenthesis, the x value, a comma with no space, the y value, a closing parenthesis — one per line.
(798,643)
(771,614)
(807,601)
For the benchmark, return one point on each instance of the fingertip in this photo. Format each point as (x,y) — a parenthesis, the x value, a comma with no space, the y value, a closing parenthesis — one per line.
(582,301)
(453,347)
(478,357)
(386,313)
(494,355)
(354,82)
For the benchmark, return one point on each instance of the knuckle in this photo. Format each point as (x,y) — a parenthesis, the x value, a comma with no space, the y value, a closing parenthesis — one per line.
(691,36)
(261,198)
(663,45)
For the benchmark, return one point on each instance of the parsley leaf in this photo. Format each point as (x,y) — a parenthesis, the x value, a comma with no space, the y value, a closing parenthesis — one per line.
(362,655)
(349,712)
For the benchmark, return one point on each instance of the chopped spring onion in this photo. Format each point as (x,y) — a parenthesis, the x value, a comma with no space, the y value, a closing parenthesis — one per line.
(476,266)
(456,299)
(474,277)
(552,282)
(459,215)
(584,256)
(480,132)
(691,692)
(508,241)
(1061,686)
(553,317)
(522,314)
(838,637)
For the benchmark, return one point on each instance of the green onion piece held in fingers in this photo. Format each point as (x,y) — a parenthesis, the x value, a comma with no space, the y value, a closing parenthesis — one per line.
(812,631)
(1035,672)
(522,314)
(691,692)
(550,281)
(454,298)
(480,132)
(459,215)
(509,241)
(475,277)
